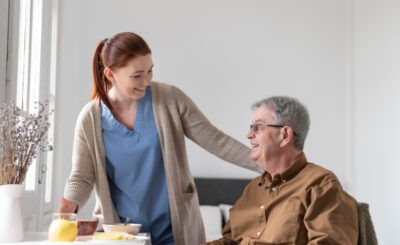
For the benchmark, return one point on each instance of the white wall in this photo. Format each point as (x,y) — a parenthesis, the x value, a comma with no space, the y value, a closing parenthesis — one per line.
(227,54)
(377,117)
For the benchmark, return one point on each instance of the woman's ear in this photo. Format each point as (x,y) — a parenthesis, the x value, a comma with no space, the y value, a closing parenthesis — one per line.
(109,74)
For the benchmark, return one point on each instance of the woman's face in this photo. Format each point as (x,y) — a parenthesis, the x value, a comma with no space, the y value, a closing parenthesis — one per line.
(131,80)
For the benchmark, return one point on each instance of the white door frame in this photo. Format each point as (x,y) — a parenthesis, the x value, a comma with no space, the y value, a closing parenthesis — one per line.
(3,47)
(37,211)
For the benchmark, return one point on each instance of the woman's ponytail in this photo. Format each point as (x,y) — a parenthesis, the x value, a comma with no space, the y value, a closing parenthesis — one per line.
(101,84)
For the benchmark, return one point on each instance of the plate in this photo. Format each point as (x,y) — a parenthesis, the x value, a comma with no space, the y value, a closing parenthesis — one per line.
(140,238)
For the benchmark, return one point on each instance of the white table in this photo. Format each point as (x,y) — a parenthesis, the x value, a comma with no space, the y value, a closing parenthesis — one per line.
(41,238)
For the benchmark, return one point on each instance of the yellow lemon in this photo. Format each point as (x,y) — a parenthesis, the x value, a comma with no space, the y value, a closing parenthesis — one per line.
(62,230)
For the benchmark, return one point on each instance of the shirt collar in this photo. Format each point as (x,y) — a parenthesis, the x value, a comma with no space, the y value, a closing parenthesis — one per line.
(266,180)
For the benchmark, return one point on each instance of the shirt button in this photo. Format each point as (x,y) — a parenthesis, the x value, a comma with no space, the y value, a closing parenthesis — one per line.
(262,206)
(258,233)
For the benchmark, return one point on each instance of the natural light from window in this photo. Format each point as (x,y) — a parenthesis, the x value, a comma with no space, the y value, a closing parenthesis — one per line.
(28,81)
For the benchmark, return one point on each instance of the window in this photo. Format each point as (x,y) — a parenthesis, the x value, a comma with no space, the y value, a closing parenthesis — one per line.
(3,47)
(28,70)
(29,78)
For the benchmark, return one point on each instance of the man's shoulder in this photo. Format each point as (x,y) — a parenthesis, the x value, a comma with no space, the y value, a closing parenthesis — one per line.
(319,175)
(255,182)
(319,169)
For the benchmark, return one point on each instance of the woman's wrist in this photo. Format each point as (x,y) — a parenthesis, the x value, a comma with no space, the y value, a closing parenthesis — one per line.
(67,206)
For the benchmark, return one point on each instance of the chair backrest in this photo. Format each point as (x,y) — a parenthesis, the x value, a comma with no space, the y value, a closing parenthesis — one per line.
(366,231)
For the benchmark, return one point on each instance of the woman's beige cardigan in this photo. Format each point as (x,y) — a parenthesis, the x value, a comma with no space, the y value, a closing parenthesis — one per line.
(176,117)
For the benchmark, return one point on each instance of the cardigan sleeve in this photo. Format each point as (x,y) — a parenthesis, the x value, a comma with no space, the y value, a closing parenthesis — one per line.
(80,182)
(201,131)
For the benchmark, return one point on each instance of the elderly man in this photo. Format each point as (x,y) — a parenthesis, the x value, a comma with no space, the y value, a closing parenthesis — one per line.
(293,201)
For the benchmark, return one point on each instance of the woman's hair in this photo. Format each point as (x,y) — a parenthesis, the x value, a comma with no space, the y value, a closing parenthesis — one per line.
(114,52)
(289,111)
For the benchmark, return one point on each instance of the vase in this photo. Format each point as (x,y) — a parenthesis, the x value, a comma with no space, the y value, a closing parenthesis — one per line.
(11,218)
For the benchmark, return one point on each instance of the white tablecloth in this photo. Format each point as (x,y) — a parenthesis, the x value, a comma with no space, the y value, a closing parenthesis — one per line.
(41,238)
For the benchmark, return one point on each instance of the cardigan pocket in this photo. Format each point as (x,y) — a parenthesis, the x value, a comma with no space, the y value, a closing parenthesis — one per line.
(189,189)
(189,195)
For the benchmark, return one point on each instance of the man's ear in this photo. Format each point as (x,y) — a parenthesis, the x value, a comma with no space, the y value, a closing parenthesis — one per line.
(287,135)
(109,74)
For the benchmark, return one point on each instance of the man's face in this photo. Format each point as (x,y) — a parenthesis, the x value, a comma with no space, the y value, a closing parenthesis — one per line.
(264,136)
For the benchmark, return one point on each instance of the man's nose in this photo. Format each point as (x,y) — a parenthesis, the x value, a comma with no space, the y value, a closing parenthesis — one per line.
(250,134)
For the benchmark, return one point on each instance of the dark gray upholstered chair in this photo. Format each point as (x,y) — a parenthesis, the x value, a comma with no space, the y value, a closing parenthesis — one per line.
(366,235)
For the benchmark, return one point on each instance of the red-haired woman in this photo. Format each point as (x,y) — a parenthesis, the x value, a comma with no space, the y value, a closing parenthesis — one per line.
(129,145)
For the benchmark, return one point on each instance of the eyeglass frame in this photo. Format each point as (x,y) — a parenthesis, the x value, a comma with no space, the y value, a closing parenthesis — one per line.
(255,127)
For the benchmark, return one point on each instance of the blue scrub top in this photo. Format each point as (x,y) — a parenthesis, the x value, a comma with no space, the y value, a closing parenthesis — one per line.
(135,171)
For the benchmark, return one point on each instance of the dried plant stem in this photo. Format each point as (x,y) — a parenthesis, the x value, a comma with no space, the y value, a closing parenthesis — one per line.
(21,134)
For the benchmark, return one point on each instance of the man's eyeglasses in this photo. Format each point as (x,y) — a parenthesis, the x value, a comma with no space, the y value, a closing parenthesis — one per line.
(256,127)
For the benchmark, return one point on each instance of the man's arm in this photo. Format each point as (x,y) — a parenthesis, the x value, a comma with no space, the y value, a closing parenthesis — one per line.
(332,216)
(226,237)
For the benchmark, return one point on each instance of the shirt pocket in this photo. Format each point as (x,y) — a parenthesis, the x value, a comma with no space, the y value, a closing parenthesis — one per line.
(283,223)
(263,243)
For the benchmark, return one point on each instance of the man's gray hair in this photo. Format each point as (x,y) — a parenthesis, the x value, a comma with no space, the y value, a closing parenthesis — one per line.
(289,111)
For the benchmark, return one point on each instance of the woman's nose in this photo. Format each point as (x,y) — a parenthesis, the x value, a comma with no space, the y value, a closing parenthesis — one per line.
(147,79)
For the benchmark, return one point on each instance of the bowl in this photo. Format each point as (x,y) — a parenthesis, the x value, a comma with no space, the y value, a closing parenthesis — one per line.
(67,216)
(130,228)
(87,226)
